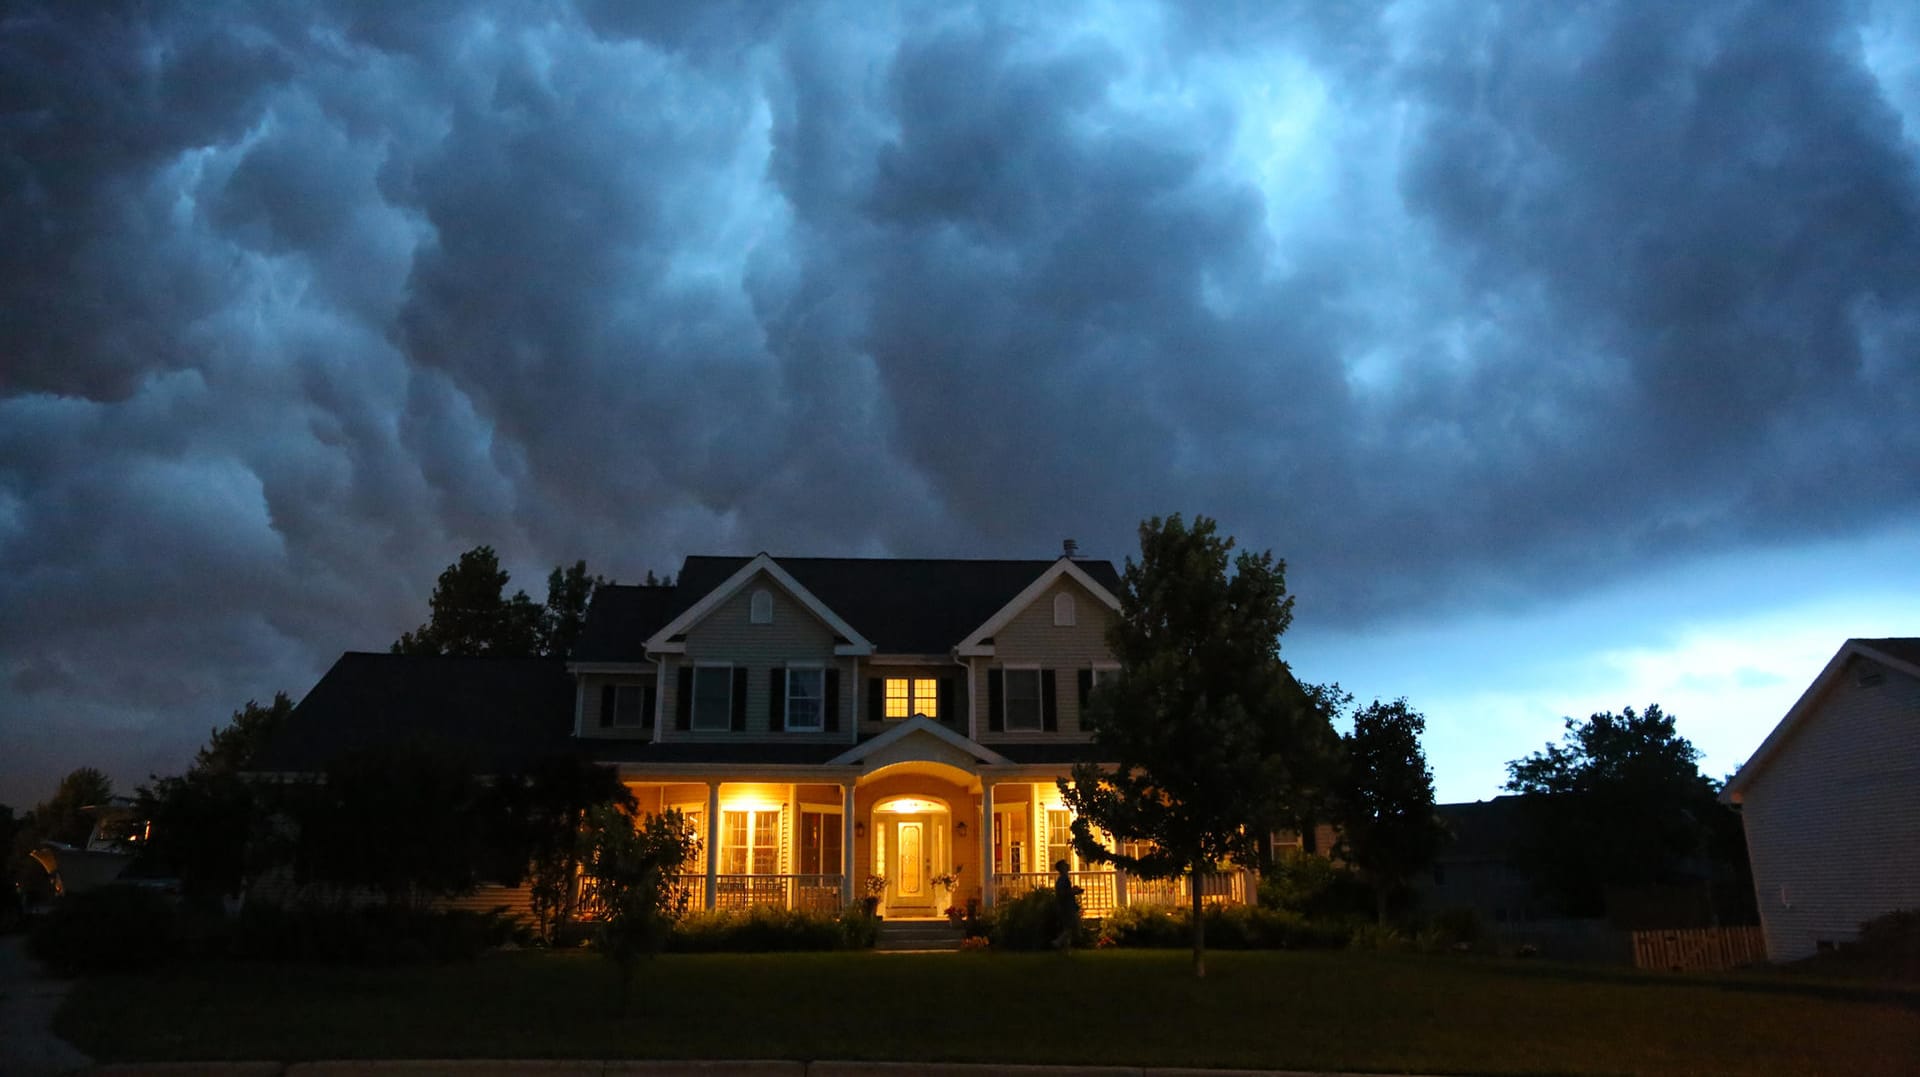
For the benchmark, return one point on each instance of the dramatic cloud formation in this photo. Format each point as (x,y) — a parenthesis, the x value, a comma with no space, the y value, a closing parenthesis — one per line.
(1460,307)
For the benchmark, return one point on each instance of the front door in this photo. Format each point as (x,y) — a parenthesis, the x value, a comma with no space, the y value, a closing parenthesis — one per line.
(912,889)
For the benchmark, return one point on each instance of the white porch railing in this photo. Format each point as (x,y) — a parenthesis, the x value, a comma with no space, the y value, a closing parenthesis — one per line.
(1104,891)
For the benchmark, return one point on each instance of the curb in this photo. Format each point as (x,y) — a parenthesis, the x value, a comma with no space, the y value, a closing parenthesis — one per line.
(650,1068)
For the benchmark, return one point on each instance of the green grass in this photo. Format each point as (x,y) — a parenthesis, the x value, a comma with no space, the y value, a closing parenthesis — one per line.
(1354,1011)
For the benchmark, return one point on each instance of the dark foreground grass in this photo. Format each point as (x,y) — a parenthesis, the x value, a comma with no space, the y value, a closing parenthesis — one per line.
(1287,1010)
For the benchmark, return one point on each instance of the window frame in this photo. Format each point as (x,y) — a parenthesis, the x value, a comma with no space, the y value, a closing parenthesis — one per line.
(639,690)
(1007,674)
(819,672)
(917,705)
(752,845)
(693,705)
(832,815)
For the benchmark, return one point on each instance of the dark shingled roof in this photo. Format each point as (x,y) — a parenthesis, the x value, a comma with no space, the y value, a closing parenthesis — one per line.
(1904,648)
(745,753)
(1482,830)
(492,714)
(1050,754)
(621,618)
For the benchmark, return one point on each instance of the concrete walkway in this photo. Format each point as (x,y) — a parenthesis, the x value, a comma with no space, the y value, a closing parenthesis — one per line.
(585,1068)
(28,1047)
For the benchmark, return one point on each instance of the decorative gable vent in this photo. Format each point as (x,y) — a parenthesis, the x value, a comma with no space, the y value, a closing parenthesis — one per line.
(761,612)
(1063,612)
(1868,675)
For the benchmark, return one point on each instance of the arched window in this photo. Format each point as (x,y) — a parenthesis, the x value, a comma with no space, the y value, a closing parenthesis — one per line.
(762,612)
(1063,609)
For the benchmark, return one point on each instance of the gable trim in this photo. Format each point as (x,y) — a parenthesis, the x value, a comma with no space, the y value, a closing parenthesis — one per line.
(919,724)
(664,642)
(1736,787)
(979,642)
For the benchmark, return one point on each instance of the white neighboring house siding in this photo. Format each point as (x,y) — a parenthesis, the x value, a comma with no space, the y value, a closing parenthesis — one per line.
(1833,819)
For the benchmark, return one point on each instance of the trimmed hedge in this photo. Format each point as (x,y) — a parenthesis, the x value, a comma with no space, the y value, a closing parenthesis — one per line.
(767,930)
(106,930)
(371,935)
(1229,927)
(1030,922)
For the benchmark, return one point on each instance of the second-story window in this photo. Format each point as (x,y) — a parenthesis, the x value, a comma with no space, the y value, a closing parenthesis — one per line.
(713,698)
(805,698)
(630,705)
(908,696)
(1023,700)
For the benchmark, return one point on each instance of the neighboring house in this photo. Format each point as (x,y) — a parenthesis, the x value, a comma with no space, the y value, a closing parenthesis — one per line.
(1831,801)
(831,728)
(1475,866)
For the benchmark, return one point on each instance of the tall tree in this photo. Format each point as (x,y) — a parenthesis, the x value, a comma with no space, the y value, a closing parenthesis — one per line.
(631,865)
(569,593)
(472,614)
(232,749)
(1385,805)
(1620,801)
(1214,741)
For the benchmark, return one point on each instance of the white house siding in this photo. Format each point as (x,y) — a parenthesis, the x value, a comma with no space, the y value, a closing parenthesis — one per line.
(1833,819)
(728,635)
(1032,639)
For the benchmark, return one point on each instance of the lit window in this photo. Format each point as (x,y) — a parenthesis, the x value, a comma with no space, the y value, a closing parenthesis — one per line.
(805,698)
(909,696)
(761,612)
(1060,839)
(713,698)
(1023,699)
(750,842)
(821,841)
(629,705)
(1063,610)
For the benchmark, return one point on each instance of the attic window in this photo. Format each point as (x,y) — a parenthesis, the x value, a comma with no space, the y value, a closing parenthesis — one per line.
(762,610)
(1063,610)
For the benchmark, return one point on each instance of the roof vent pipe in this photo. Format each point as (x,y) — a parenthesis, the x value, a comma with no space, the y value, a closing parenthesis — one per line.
(1069,548)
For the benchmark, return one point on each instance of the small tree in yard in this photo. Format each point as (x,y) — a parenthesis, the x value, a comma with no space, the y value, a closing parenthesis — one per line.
(1385,803)
(546,813)
(1214,741)
(632,865)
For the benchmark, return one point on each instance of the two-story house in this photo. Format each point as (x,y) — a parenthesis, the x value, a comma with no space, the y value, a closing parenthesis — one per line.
(831,727)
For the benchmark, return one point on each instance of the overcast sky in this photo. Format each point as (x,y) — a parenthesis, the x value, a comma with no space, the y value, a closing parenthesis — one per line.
(1570,354)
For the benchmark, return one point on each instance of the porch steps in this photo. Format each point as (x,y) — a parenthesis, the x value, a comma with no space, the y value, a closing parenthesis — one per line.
(920,936)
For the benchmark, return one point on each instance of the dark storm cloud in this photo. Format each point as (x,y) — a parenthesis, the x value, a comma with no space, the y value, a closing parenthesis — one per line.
(1450,304)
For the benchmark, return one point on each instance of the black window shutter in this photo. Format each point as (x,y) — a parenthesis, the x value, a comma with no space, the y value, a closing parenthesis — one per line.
(606,705)
(739,699)
(876,698)
(776,699)
(1086,688)
(950,702)
(831,700)
(648,700)
(1049,702)
(996,697)
(683,707)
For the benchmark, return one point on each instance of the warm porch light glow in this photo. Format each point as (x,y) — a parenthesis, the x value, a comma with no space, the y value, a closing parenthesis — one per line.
(911,806)
(750,805)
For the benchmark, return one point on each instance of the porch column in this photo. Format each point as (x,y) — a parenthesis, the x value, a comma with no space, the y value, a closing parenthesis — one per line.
(847,895)
(986,843)
(713,842)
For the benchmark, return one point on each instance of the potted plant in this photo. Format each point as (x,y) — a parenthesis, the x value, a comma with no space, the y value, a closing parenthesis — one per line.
(947,881)
(876,889)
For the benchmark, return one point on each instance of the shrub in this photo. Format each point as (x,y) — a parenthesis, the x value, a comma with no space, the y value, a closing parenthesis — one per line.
(1229,927)
(373,935)
(1030,922)
(112,928)
(764,930)
(1314,887)
(1451,927)
(1382,937)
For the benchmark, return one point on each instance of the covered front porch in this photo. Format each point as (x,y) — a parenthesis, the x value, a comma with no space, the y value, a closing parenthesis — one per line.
(917,835)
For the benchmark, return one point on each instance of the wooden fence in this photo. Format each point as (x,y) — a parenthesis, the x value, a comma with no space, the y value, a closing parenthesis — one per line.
(1699,949)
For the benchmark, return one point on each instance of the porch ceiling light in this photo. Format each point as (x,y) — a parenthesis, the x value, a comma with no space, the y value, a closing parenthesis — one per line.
(911,806)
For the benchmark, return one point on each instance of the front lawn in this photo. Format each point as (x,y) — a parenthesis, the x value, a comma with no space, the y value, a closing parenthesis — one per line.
(1352,1011)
